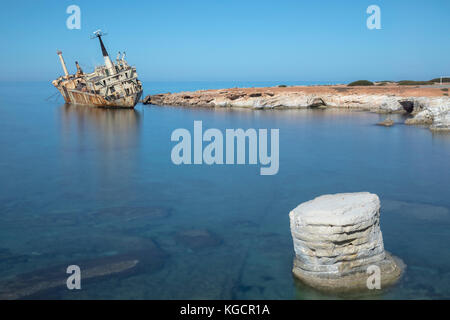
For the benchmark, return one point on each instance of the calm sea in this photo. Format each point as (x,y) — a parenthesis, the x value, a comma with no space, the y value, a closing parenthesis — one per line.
(96,187)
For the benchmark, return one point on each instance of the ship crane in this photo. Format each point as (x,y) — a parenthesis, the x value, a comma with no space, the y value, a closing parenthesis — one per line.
(108,63)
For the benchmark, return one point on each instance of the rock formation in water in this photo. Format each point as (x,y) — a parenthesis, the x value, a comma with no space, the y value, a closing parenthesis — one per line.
(336,238)
(428,105)
(434,113)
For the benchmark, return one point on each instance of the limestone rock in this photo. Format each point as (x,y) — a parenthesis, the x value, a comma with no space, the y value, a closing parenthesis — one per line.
(430,110)
(441,121)
(316,103)
(336,238)
(424,117)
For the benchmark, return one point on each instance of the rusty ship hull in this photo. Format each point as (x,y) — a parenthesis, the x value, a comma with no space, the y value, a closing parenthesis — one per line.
(113,85)
(92,99)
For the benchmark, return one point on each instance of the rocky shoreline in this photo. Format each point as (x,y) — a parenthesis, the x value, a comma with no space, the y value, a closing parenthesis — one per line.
(429,106)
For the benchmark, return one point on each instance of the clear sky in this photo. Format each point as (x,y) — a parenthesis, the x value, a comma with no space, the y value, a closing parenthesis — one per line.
(231,40)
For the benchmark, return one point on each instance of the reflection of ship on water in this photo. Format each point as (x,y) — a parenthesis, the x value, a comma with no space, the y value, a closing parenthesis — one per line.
(107,128)
(100,150)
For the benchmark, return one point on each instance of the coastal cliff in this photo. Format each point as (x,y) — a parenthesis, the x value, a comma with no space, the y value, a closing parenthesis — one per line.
(428,106)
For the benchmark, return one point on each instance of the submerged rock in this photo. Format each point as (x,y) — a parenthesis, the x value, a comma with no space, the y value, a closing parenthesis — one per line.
(41,280)
(131,213)
(6,256)
(196,239)
(336,238)
(34,284)
(5,253)
(386,123)
(422,211)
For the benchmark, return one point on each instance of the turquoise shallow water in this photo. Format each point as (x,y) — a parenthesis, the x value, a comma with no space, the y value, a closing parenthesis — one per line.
(84,184)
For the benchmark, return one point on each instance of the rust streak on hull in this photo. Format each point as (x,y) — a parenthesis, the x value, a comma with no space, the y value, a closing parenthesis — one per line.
(86,98)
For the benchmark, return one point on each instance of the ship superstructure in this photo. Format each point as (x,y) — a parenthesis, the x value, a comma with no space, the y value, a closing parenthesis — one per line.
(110,85)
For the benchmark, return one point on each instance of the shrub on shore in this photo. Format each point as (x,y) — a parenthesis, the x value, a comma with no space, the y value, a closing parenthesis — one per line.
(439,80)
(282,86)
(413,83)
(361,83)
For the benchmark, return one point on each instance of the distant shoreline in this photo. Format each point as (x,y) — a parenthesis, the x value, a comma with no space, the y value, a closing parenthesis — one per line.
(429,104)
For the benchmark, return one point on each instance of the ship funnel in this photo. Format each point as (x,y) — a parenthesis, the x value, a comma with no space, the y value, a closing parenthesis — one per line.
(63,64)
(108,63)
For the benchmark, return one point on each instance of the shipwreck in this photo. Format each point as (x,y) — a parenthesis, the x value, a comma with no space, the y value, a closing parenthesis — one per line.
(114,85)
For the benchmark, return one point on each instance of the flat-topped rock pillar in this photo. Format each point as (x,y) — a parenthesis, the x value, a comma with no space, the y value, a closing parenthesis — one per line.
(337,238)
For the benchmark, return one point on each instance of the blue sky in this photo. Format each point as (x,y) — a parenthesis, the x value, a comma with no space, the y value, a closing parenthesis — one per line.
(232,40)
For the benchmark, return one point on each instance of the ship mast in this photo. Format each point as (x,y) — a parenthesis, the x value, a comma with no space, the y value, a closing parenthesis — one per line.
(63,64)
(108,63)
